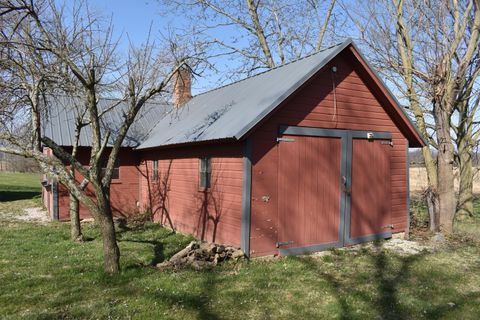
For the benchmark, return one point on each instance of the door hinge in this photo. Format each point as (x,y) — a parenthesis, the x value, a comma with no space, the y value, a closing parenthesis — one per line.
(390,143)
(285,139)
(283,243)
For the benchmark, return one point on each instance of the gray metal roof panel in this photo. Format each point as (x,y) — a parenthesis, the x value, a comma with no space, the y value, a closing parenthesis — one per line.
(228,112)
(59,122)
(231,111)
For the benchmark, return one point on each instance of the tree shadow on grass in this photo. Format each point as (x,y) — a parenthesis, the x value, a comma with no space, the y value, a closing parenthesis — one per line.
(158,250)
(198,302)
(388,281)
(18,195)
(158,245)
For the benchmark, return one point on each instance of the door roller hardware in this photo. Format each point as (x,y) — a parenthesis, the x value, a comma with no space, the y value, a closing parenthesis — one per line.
(283,243)
(390,143)
(388,226)
(345,186)
(285,140)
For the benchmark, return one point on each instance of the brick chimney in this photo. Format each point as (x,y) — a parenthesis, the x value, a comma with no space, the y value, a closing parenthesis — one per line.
(182,86)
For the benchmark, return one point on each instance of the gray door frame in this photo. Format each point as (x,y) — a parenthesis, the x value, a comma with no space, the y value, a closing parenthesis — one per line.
(246,198)
(346,137)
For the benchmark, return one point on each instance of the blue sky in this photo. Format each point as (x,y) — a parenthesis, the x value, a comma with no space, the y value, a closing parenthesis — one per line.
(132,18)
(132,21)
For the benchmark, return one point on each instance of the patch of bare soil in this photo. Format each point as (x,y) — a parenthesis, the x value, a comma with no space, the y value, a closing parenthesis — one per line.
(37,215)
(399,246)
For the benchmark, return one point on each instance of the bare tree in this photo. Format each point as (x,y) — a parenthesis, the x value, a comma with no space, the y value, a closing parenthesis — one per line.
(466,136)
(259,34)
(426,49)
(81,47)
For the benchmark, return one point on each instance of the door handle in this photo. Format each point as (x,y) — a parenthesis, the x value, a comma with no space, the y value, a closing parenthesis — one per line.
(344,185)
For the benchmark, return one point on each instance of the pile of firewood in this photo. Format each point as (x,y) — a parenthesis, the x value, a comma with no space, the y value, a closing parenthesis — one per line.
(202,255)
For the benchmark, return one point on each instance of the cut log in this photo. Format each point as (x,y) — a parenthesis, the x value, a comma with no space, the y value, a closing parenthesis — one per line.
(202,255)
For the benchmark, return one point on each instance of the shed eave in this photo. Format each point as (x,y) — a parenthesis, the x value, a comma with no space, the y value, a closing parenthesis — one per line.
(187,143)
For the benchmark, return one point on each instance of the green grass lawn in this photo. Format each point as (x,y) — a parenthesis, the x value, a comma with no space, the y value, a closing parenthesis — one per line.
(18,186)
(44,275)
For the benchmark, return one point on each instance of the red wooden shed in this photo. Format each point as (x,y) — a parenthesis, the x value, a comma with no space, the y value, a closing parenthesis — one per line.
(304,157)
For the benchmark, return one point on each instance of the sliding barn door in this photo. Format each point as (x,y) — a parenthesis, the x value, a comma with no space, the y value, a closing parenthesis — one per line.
(334,188)
(309,177)
(370,192)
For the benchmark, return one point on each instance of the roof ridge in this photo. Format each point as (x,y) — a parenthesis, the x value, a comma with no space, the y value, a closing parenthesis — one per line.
(274,68)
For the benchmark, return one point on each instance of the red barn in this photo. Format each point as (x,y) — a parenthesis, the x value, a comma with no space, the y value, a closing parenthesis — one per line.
(304,157)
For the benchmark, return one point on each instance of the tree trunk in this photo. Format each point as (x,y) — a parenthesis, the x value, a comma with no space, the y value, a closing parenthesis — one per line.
(111,252)
(431,193)
(446,191)
(75,227)
(433,209)
(465,197)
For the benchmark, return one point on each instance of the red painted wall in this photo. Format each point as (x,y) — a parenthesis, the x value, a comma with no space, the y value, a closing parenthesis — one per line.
(357,108)
(176,200)
(124,192)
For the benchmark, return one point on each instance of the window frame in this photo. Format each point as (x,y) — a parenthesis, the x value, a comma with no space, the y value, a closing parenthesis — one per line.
(205,173)
(155,175)
(116,169)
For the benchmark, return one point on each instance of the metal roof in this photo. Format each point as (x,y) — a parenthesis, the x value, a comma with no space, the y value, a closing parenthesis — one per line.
(59,122)
(229,112)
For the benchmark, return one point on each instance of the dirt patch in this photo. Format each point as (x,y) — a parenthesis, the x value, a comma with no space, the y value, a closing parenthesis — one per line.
(399,246)
(405,247)
(35,215)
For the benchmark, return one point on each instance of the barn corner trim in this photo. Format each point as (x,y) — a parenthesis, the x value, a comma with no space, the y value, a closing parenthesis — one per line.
(246,198)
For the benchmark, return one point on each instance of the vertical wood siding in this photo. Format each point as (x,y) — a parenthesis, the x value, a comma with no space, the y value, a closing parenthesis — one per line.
(309,191)
(357,108)
(177,201)
(370,212)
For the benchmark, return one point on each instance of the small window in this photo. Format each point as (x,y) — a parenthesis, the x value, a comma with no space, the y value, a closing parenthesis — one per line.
(116,169)
(205,172)
(155,170)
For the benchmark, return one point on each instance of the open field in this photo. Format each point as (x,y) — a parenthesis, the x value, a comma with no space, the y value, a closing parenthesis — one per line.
(418,180)
(44,275)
